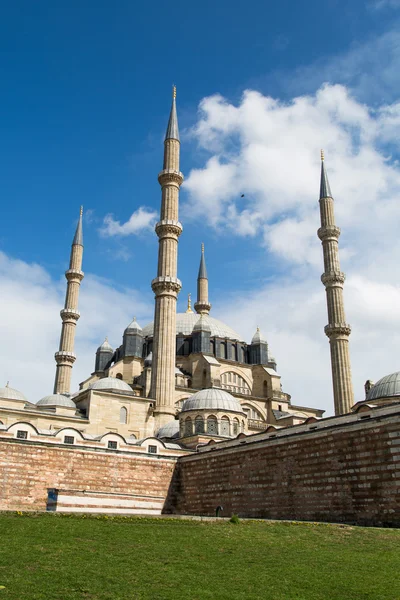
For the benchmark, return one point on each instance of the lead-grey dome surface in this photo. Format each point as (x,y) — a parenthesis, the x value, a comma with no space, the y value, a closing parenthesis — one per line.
(386,387)
(11,394)
(212,399)
(111,383)
(170,430)
(185,323)
(56,400)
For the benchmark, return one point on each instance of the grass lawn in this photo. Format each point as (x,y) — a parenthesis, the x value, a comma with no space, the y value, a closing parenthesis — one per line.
(62,557)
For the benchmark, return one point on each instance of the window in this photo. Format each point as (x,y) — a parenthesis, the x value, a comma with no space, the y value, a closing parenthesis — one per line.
(212,425)
(188,426)
(22,435)
(199,424)
(69,439)
(235,383)
(252,413)
(152,449)
(235,426)
(123,415)
(113,445)
(225,427)
(118,376)
(280,407)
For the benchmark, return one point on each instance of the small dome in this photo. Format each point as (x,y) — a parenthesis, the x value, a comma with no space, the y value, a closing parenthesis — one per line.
(11,394)
(105,347)
(133,326)
(111,383)
(148,361)
(170,430)
(56,400)
(212,399)
(202,324)
(386,387)
(258,337)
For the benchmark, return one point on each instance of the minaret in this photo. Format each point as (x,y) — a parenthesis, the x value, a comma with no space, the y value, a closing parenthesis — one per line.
(202,306)
(337,330)
(65,357)
(166,285)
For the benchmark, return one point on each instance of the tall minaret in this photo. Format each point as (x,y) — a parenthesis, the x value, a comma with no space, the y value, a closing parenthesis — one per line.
(166,285)
(65,356)
(337,330)
(202,306)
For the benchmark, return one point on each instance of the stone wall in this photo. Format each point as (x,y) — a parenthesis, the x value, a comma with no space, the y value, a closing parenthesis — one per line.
(339,469)
(29,469)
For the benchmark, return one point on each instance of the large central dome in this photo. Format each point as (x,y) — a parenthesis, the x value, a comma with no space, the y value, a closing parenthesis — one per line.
(186,321)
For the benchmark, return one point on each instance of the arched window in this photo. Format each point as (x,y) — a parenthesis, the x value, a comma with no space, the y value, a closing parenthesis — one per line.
(233,352)
(118,376)
(199,424)
(212,346)
(225,427)
(223,349)
(123,415)
(212,425)
(235,426)
(265,389)
(252,413)
(235,383)
(188,426)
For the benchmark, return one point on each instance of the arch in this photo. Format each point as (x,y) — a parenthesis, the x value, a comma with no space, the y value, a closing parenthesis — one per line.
(235,427)
(230,380)
(223,349)
(118,376)
(234,352)
(225,427)
(123,415)
(212,425)
(199,424)
(188,426)
(253,412)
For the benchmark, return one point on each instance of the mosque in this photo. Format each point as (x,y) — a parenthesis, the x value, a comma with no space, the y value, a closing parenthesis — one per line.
(185,379)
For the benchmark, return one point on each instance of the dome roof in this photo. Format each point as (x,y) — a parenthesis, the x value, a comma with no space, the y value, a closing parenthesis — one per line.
(185,323)
(11,394)
(56,400)
(111,383)
(105,347)
(134,326)
(212,399)
(170,430)
(386,387)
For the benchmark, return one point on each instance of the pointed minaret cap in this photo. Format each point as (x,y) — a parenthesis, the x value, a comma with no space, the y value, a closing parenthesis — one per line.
(202,269)
(78,238)
(324,190)
(258,337)
(172,129)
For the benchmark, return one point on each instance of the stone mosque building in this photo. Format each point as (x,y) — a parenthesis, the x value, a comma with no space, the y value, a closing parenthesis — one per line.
(185,379)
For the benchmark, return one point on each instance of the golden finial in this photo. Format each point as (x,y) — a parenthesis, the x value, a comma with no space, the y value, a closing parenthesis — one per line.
(174,92)
(322,155)
(81,211)
(189,306)
(258,329)
(202,248)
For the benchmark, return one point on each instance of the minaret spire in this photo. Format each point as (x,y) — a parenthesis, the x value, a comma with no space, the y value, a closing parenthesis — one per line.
(337,330)
(166,285)
(65,356)
(202,306)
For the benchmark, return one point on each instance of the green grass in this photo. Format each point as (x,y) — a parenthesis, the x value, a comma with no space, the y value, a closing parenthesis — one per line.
(62,557)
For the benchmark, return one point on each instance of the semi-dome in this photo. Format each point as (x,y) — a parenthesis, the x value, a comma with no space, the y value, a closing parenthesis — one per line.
(386,387)
(11,394)
(170,430)
(111,383)
(56,400)
(185,323)
(212,399)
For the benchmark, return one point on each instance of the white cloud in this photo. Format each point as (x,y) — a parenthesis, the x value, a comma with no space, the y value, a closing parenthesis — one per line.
(383,4)
(30,325)
(143,219)
(270,151)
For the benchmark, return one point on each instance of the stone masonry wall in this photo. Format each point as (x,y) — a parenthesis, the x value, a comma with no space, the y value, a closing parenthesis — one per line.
(27,470)
(347,472)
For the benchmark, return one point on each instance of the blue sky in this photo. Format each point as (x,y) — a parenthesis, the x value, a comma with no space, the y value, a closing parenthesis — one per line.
(86,91)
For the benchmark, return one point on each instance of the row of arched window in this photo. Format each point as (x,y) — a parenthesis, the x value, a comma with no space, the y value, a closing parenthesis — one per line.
(235,383)
(211,426)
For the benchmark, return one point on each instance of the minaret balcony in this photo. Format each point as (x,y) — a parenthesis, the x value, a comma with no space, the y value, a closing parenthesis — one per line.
(65,358)
(69,314)
(328,232)
(170,177)
(168,228)
(333,279)
(337,330)
(166,286)
(72,274)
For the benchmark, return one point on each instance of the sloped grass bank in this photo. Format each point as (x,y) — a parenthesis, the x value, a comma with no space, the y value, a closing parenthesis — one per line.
(63,557)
